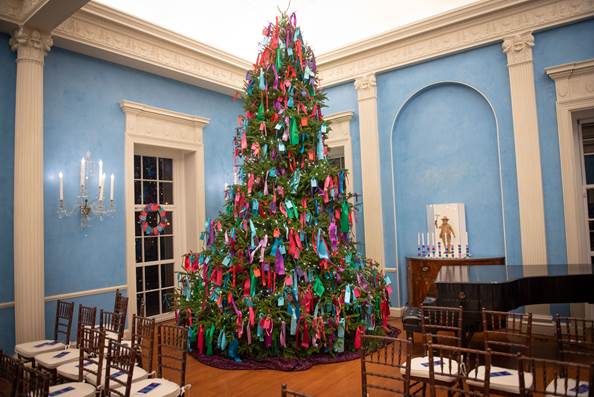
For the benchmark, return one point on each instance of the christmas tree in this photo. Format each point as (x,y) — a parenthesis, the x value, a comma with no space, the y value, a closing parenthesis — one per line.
(280,274)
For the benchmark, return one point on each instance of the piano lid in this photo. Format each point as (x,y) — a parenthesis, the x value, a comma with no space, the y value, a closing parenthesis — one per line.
(493,274)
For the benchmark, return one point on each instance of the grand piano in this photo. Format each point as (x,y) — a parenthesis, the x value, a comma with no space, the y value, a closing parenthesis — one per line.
(507,287)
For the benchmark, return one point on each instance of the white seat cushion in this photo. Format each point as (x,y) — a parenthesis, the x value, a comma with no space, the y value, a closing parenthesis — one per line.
(503,379)
(419,367)
(111,335)
(31,349)
(569,387)
(137,375)
(156,387)
(70,370)
(73,389)
(52,360)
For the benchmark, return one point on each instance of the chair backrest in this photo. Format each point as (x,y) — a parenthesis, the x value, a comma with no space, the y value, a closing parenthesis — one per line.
(10,369)
(91,352)
(508,332)
(120,362)
(291,393)
(86,318)
(387,360)
(33,383)
(172,351)
(112,322)
(554,378)
(469,369)
(121,303)
(442,325)
(575,336)
(143,340)
(63,323)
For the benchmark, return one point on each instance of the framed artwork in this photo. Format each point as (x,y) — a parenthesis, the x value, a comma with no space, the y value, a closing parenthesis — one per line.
(446,223)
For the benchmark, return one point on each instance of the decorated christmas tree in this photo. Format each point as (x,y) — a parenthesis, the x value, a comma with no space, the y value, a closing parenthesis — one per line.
(280,275)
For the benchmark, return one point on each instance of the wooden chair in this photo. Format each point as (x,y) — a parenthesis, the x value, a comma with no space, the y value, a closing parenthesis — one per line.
(143,341)
(387,360)
(120,368)
(554,378)
(507,331)
(113,324)
(458,371)
(10,369)
(90,359)
(291,393)
(121,303)
(62,326)
(441,326)
(575,337)
(51,360)
(32,383)
(172,344)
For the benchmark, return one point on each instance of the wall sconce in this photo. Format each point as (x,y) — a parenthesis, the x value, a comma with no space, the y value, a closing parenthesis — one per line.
(87,207)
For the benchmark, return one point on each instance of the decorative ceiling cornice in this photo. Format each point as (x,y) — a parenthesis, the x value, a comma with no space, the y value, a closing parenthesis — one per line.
(478,24)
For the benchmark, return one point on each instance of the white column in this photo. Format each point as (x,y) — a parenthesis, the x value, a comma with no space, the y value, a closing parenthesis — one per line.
(370,168)
(528,166)
(31,47)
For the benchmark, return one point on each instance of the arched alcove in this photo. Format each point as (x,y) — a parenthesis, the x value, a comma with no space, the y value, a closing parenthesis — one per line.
(445,149)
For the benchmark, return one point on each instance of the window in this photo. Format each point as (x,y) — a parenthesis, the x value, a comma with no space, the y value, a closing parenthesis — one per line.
(587,130)
(336,156)
(155,259)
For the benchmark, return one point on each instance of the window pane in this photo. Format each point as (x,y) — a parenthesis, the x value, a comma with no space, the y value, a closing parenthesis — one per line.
(166,247)
(590,203)
(166,275)
(150,192)
(165,169)
(166,193)
(589,165)
(150,249)
(167,300)
(139,280)
(138,250)
(137,167)
(169,227)
(152,303)
(149,167)
(137,228)
(137,192)
(151,274)
(139,304)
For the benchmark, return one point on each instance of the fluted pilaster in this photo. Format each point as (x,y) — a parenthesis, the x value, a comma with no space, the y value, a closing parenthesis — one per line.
(370,168)
(31,47)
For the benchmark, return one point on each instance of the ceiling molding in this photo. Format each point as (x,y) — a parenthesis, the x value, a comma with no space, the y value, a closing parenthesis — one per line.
(478,24)
(102,32)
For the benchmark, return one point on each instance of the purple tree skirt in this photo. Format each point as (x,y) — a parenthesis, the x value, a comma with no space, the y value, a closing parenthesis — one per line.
(280,364)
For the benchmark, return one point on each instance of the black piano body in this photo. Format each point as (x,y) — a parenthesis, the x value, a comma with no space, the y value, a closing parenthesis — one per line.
(509,287)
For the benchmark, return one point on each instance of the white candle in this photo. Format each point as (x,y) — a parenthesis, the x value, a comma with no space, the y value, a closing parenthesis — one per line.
(61,177)
(111,187)
(465,242)
(428,241)
(419,239)
(82,172)
(101,185)
(422,238)
(100,171)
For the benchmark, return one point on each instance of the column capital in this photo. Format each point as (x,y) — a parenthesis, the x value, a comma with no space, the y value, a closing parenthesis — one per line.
(366,86)
(30,44)
(518,48)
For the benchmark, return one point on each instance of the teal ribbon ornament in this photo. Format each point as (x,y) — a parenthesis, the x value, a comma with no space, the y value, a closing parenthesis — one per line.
(339,343)
(344,218)
(262,80)
(209,336)
(233,350)
(294,183)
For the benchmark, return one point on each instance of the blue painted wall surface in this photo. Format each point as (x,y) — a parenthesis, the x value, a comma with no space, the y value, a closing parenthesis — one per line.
(344,98)
(485,70)
(7,92)
(82,112)
(555,47)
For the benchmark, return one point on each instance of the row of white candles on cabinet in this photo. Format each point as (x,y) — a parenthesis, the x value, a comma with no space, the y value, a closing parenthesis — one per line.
(436,249)
(101,181)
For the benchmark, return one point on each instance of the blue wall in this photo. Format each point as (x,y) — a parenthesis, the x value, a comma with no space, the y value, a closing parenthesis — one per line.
(7,90)
(417,115)
(555,47)
(344,98)
(82,112)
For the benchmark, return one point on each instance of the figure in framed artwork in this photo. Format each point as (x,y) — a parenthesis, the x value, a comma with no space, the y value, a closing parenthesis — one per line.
(446,232)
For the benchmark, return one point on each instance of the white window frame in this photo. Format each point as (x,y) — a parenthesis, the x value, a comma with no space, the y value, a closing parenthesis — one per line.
(340,136)
(149,129)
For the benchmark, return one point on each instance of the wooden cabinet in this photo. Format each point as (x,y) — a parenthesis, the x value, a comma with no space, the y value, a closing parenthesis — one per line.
(423,271)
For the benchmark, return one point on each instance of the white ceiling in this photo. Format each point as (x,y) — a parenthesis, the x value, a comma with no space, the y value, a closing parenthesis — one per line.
(235,26)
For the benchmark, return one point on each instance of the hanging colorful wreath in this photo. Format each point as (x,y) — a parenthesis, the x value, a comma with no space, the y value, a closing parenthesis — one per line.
(148,229)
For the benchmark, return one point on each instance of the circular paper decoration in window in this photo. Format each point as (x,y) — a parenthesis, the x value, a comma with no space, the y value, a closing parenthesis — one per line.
(143,219)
